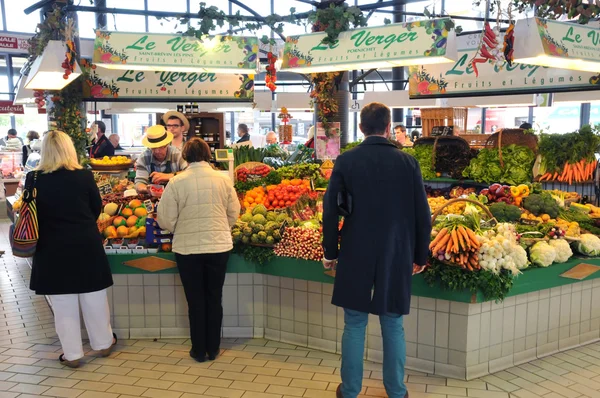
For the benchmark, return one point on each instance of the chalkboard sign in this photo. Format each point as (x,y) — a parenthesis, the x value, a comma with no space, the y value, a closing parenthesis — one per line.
(105,188)
(442,130)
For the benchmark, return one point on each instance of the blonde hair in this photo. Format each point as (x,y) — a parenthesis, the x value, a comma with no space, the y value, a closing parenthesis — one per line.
(58,152)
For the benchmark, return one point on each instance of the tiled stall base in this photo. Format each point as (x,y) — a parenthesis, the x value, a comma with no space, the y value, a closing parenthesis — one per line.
(445,338)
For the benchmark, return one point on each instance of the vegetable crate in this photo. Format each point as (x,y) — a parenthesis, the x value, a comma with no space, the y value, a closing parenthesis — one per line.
(432,117)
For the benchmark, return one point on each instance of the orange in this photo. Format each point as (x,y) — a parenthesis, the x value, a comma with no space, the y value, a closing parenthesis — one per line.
(250,199)
(246,204)
(135,203)
(131,221)
(127,212)
(166,247)
(140,212)
(110,232)
(118,221)
(122,231)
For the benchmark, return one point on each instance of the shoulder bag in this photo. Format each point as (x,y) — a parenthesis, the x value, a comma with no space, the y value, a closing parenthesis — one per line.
(24,233)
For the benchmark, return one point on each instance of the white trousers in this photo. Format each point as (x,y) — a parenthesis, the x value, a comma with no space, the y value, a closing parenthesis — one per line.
(96,315)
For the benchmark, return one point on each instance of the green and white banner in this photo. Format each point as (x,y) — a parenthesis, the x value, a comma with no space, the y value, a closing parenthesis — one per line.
(152,51)
(381,46)
(459,78)
(201,86)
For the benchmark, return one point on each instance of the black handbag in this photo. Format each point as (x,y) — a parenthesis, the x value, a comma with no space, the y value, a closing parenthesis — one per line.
(344,203)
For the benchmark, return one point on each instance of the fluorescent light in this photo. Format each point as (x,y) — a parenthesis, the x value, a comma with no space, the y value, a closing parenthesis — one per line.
(553,44)
(577,97)
(150,110)
(24,95)
(46,72)
(561,63)
(370,65)
(398,99)
(167,68)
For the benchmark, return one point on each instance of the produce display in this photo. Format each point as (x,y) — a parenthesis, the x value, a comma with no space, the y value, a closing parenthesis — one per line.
(516,166)
(485,233)
(111,161)
(569,157)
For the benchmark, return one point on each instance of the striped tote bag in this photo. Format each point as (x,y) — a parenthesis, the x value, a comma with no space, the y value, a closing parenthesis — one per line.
(24,233)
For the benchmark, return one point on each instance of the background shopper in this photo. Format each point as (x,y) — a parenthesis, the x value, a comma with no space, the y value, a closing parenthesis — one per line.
(72,268)
(102,146)
(31,136)
(200,206)
(377,248)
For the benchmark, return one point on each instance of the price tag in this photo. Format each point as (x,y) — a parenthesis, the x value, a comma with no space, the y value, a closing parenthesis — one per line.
(149,206)
(442,130)
(105,188)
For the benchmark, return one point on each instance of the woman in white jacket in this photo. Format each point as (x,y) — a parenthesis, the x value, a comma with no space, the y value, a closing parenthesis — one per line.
(200,206)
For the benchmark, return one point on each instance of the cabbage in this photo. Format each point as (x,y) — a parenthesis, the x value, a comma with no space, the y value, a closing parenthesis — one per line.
(589,245)
(563,250)
(542,254)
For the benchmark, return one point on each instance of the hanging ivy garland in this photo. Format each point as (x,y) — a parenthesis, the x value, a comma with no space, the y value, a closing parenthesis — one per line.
(583,11)
(65,108)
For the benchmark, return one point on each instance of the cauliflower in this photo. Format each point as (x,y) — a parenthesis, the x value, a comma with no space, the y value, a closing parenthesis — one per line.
(589,245)
(563,250)
(519,257)
(542,254)
(499,250)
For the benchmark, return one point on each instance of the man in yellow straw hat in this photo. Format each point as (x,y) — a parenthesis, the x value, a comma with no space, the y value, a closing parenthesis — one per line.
(177,124)
(160,162)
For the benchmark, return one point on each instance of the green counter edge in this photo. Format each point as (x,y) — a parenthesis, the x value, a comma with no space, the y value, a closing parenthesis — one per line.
(532,280)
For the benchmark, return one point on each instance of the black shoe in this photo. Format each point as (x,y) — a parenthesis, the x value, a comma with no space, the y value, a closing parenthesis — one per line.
(197,357)
(212,357)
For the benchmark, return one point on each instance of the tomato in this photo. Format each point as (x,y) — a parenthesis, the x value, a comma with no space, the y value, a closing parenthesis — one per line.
(288,203)
(286,197)
(279,197)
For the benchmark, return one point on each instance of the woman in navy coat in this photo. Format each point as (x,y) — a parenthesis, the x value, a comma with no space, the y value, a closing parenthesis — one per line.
(387,232)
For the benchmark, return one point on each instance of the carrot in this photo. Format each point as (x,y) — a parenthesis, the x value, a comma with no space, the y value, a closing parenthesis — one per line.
(555,176)
(449,245)
(455,240)
(463,232)
(473,237)
(441,244)
(439,237)
(582,166)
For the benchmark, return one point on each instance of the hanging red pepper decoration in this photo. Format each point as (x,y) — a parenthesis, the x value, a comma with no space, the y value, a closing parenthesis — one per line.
(271,75)
(509,43)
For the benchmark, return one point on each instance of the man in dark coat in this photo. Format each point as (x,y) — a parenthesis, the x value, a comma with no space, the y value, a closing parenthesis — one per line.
(387,231)
(102,147)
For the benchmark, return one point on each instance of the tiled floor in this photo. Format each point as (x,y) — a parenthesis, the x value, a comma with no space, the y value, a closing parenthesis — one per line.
(247,368)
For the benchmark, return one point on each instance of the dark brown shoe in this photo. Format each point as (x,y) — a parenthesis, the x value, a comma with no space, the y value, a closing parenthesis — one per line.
(338,392)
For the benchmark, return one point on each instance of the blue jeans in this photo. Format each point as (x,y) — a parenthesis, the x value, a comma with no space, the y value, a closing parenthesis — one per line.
(353,348)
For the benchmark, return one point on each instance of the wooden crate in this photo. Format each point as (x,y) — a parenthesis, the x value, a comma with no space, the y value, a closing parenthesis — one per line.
(431,117)
(476,140)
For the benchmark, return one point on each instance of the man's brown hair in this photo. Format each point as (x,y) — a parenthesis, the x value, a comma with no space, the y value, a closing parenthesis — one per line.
(374,118)
(196,150)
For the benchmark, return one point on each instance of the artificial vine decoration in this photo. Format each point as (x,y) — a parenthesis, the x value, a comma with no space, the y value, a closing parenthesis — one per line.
(332,20)
(336,19)
(211,17)
(322,94)
(271,75)
(555,9)
(66,109)
(68,116)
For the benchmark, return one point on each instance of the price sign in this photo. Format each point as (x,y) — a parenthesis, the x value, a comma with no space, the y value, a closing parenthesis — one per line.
(149,206)
(105,188)
(442,130)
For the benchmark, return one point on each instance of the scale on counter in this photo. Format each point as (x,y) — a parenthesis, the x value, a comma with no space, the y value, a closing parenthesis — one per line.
(226,155)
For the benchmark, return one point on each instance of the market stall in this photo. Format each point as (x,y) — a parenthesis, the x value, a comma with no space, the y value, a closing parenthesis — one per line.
(512,274)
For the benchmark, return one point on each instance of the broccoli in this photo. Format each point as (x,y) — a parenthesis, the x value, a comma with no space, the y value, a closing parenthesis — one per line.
(542,203)
(503,212)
